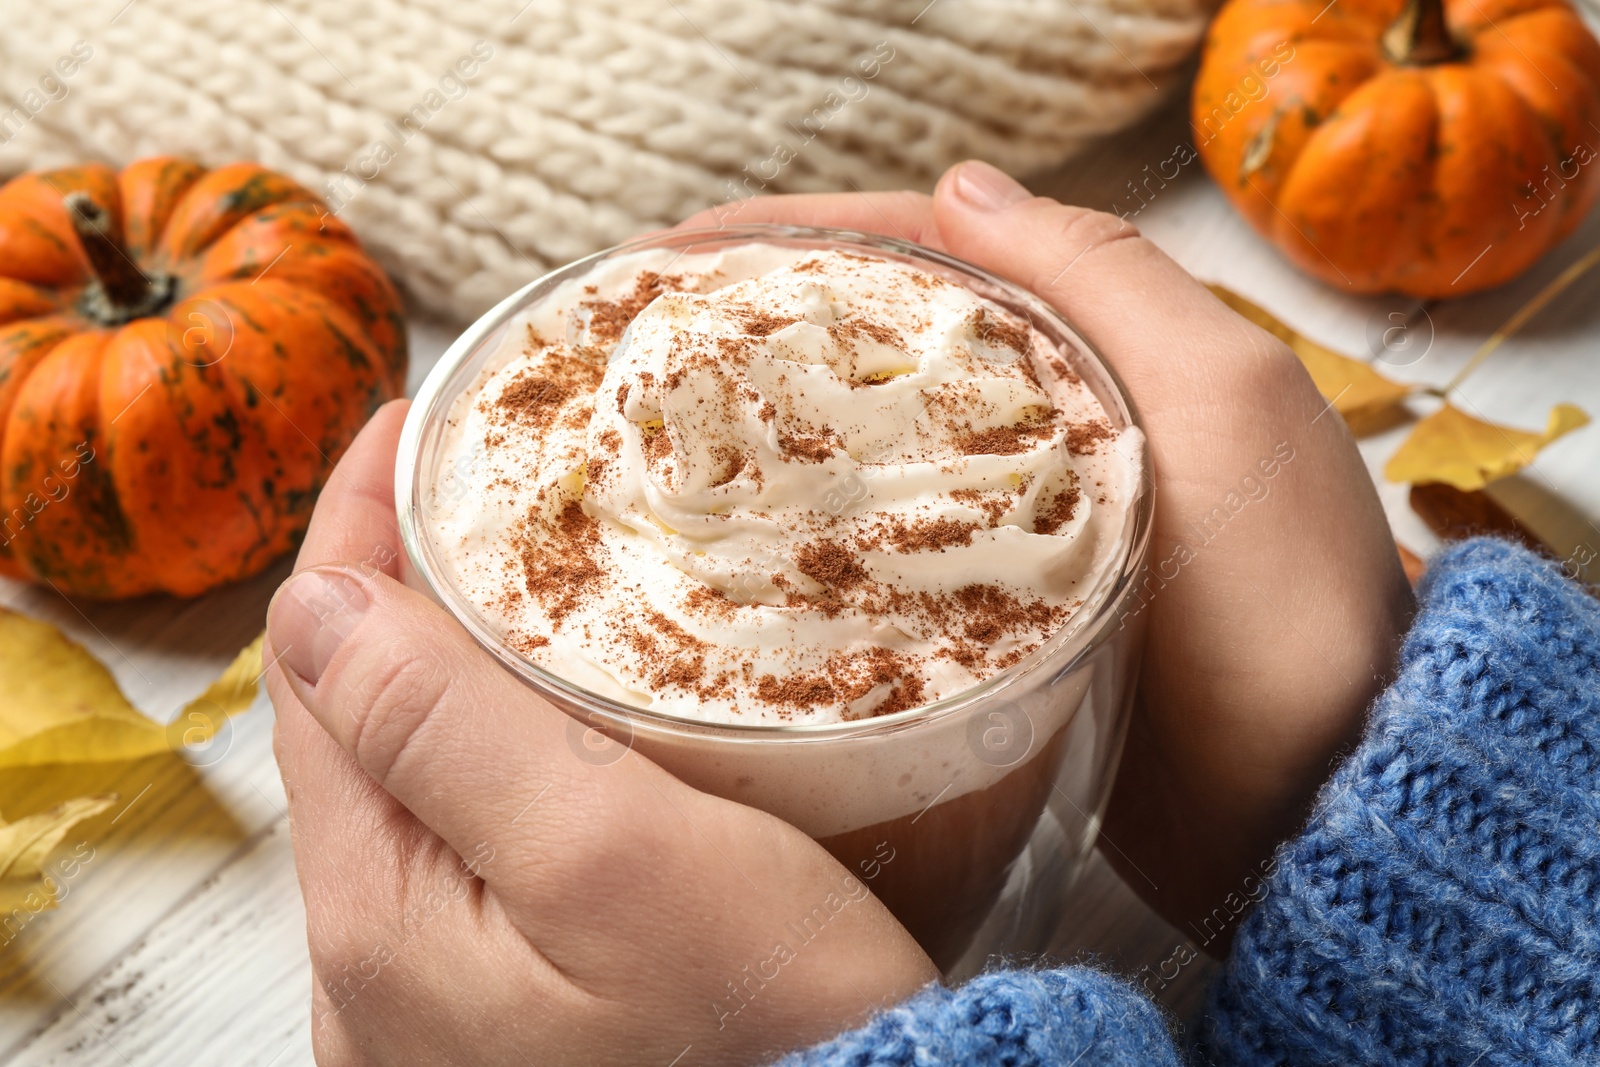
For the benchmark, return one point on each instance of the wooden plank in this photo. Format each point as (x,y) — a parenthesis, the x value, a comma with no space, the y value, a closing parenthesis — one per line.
(178,818)
(223,979)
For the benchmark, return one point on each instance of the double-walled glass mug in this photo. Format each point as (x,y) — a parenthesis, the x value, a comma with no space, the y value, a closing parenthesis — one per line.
(968,817)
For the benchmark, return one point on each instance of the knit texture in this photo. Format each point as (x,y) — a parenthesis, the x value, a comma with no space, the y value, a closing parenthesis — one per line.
(587,121)
(1442,906)
(1074,1016)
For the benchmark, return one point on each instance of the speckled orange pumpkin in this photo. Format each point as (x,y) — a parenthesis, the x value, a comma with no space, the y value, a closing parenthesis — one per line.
(184,354)
(1433,148)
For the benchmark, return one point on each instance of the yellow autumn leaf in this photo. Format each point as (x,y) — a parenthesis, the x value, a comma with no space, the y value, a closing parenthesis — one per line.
(26,844)
(1355,390)
(58,704)
(224,698)
(1452,447)
(61,705)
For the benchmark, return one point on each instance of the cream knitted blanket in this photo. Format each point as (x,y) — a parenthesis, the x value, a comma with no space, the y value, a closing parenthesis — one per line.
(475,144)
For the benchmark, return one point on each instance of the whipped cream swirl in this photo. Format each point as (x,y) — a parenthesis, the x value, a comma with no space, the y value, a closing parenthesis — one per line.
(780,485)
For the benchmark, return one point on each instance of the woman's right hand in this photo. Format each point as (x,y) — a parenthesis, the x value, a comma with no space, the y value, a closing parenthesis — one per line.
(1275,598)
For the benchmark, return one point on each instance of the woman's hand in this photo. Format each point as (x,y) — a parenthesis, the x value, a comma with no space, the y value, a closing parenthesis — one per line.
(480,888)
(1275,598)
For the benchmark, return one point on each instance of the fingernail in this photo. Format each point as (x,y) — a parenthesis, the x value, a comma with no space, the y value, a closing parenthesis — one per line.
(310,617)
(987,188)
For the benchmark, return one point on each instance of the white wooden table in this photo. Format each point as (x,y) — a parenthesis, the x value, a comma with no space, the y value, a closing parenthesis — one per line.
(181,941)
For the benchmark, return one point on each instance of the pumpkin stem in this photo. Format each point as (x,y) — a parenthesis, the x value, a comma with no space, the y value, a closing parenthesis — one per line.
(125,285)
(1420,36)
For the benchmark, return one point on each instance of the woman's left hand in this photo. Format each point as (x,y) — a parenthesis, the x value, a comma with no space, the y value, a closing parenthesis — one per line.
(482,886)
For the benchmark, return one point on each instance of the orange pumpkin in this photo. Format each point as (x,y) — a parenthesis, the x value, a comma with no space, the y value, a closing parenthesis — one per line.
(1434,148)
(184,354)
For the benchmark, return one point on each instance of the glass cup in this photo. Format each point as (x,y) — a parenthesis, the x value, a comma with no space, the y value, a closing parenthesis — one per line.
(968,817)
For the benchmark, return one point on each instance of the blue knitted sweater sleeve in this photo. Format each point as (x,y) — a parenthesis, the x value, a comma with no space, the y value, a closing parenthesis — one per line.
(1443,904)
(1071,1016)
(1441,907)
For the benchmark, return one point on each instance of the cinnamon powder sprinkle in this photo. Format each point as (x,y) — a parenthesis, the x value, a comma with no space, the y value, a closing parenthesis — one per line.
(848,330)
(1003,440)
(831,564)
(561,572)
(609,318)
(1059,513)
(906,694)
(994,330)
(532,400)
(703,600)
(681,673)
(854,676)
(798,692)
(1084,438)
(923,535)
(1059,367)
(681,639)
(994,503)
(991,612)
(657,445)
(730,462)
(808,449)
(758,322)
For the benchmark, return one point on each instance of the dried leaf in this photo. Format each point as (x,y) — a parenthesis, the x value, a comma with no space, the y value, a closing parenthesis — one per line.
(1414,565)
(61,705)
(1454,515)
(1452,447)
(58,704)
(226,697)
(1355,390)
(26,844)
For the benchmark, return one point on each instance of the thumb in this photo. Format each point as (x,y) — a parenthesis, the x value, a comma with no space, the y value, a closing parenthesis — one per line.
(483,762)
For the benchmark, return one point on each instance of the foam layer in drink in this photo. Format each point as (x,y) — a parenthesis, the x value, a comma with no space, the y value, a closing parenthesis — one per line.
(771,485)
